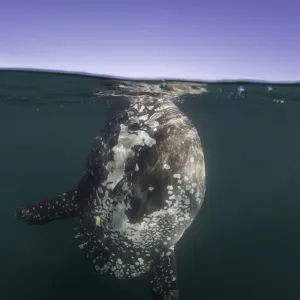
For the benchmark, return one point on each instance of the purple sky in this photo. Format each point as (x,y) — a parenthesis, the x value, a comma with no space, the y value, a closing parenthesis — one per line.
(189,39)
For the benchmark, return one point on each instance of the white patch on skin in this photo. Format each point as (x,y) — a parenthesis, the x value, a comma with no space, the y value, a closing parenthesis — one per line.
(170,187)
(176,176)
(119,217)
(123,151)
(105,267)
(142,108)
(166,166)
(187,216)
(187,201)
(192,159)
(152,123)
(187,187)
(125,186)
(151,188)
(136,167)
(141,261)
(144,117)
(81,246)
(156,116)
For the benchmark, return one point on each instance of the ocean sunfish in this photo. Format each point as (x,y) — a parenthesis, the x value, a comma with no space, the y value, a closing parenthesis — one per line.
(143,184)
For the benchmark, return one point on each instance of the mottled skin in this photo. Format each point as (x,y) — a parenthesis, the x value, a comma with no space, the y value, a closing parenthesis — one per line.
(143,185)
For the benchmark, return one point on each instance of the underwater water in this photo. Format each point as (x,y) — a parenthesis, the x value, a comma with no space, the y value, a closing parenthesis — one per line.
(244,243)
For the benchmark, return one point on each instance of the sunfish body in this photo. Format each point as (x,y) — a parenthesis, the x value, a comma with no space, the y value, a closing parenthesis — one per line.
(143,185)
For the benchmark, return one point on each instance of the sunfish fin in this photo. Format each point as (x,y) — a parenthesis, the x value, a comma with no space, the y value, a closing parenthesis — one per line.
(163,276)
(60,207)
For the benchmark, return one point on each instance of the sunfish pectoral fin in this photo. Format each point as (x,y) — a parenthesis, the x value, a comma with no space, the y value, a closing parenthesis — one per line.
(163,276)
(60,207)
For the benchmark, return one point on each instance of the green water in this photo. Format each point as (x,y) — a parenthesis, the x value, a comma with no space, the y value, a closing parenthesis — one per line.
(244,244)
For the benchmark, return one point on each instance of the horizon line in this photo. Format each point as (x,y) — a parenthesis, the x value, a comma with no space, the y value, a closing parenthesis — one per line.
(123,78)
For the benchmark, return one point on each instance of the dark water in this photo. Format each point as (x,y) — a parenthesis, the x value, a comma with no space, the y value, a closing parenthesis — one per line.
(244,244)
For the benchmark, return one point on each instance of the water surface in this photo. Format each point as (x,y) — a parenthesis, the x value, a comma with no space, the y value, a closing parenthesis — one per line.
(244,244)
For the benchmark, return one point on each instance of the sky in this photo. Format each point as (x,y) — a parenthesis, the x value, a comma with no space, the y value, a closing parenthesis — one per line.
(187,39)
